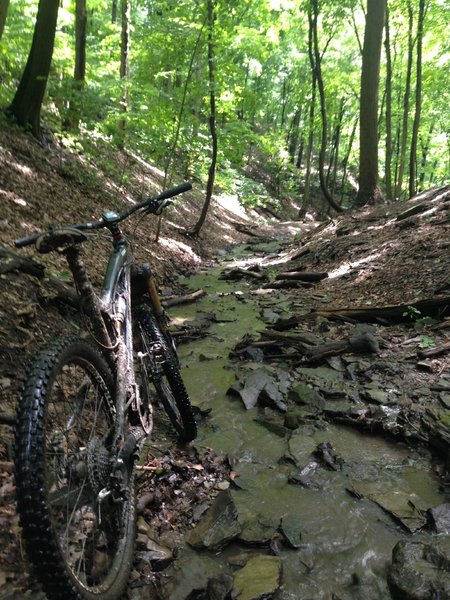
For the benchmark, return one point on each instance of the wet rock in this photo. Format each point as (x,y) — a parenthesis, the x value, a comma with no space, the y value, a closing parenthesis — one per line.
(219,587)
(374,394)
(403,505)
(297,415)
(218,526)
(439,518)
(262,385)
(329,456)
(420,571)
(258,579)
(273,423)
(338,409)
(301,393)
(319,375)
(189,577)
(291,530)
(256,531)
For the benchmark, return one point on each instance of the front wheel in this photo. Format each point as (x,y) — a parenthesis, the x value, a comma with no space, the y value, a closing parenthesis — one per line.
(159,368)
(81,542)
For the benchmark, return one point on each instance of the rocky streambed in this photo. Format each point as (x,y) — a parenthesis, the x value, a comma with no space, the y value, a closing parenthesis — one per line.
(313,507)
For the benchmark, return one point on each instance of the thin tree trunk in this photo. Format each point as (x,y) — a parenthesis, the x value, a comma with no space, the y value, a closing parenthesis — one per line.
(418,103)
(293,135)
(334,158)
(369,190)
(323,111)
(124,66)
(312,108)
(72,120)
(388,152)
(212,118)
(3,12)
(114,11)
(26,105)
(423,162)
(180,117)
(183,102)
(346,159)
(406,96)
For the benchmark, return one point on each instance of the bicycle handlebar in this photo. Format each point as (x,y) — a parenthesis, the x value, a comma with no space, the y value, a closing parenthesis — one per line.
(154,205)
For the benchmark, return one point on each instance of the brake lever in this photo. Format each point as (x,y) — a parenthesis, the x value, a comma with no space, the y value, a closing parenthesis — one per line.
(157,206)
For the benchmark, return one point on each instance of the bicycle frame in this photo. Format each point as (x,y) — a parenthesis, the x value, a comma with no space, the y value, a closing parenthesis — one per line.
(110,316)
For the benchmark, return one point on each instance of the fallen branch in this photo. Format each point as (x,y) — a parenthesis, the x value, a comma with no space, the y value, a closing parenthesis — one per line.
(287,284)
(437,308)
(430,352)
(302,276)
(245,229)
(10,261)
(177,300)
(238,273)
(359,343)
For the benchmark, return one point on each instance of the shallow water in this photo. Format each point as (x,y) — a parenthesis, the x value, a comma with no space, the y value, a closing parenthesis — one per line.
(344,525)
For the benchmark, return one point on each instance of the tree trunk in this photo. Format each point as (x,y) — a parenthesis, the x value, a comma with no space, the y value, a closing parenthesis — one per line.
(388,157)
(423,162)
(404,131)
(312,108)
(418,107)
(114,11)
(212,118)
(369,191)
(124,65)
(3,11)
(334,158)
(323,110)
(26,105)
(73,116)
(293,135)
(346,159)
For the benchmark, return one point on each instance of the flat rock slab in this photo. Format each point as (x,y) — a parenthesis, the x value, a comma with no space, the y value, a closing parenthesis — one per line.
(218,526)
(260,578)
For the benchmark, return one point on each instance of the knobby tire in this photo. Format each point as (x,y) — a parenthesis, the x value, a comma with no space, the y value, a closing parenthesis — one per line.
(165,376)
(80,551)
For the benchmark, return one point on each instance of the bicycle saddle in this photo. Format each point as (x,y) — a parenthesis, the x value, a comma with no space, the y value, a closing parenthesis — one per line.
(57,238)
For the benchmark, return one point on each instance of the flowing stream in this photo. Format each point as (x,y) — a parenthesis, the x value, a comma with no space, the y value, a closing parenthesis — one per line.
(341,525)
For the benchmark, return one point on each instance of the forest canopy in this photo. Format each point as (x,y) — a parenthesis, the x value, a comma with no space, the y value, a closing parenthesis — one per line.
(286,86)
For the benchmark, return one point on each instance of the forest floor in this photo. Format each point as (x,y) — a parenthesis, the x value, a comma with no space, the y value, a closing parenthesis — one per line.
(391,255)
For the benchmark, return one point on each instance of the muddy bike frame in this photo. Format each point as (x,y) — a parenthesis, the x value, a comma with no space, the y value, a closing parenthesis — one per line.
(110,315)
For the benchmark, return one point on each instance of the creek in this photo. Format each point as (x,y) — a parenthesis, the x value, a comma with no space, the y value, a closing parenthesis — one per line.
(333,531)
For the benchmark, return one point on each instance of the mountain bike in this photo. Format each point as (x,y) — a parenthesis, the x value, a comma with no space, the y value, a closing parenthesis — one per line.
(85,411)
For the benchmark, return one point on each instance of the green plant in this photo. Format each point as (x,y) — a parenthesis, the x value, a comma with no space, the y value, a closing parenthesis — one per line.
(426,342)
(412,313)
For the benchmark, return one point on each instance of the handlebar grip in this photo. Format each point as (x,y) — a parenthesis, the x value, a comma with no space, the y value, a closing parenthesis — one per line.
(26,241)
(179,189)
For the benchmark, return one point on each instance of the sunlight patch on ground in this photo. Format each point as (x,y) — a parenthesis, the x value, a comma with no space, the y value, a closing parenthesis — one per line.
(22,169)
(145,164)
(13,198)
(346,267)
(171,244)
(231,203)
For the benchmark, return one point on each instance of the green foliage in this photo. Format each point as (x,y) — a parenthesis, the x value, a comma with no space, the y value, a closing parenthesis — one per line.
(426,342)
(412,313)
(263,85)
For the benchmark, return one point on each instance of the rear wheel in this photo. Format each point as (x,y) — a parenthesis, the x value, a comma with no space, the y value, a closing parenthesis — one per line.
(159,369)
(81,547)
